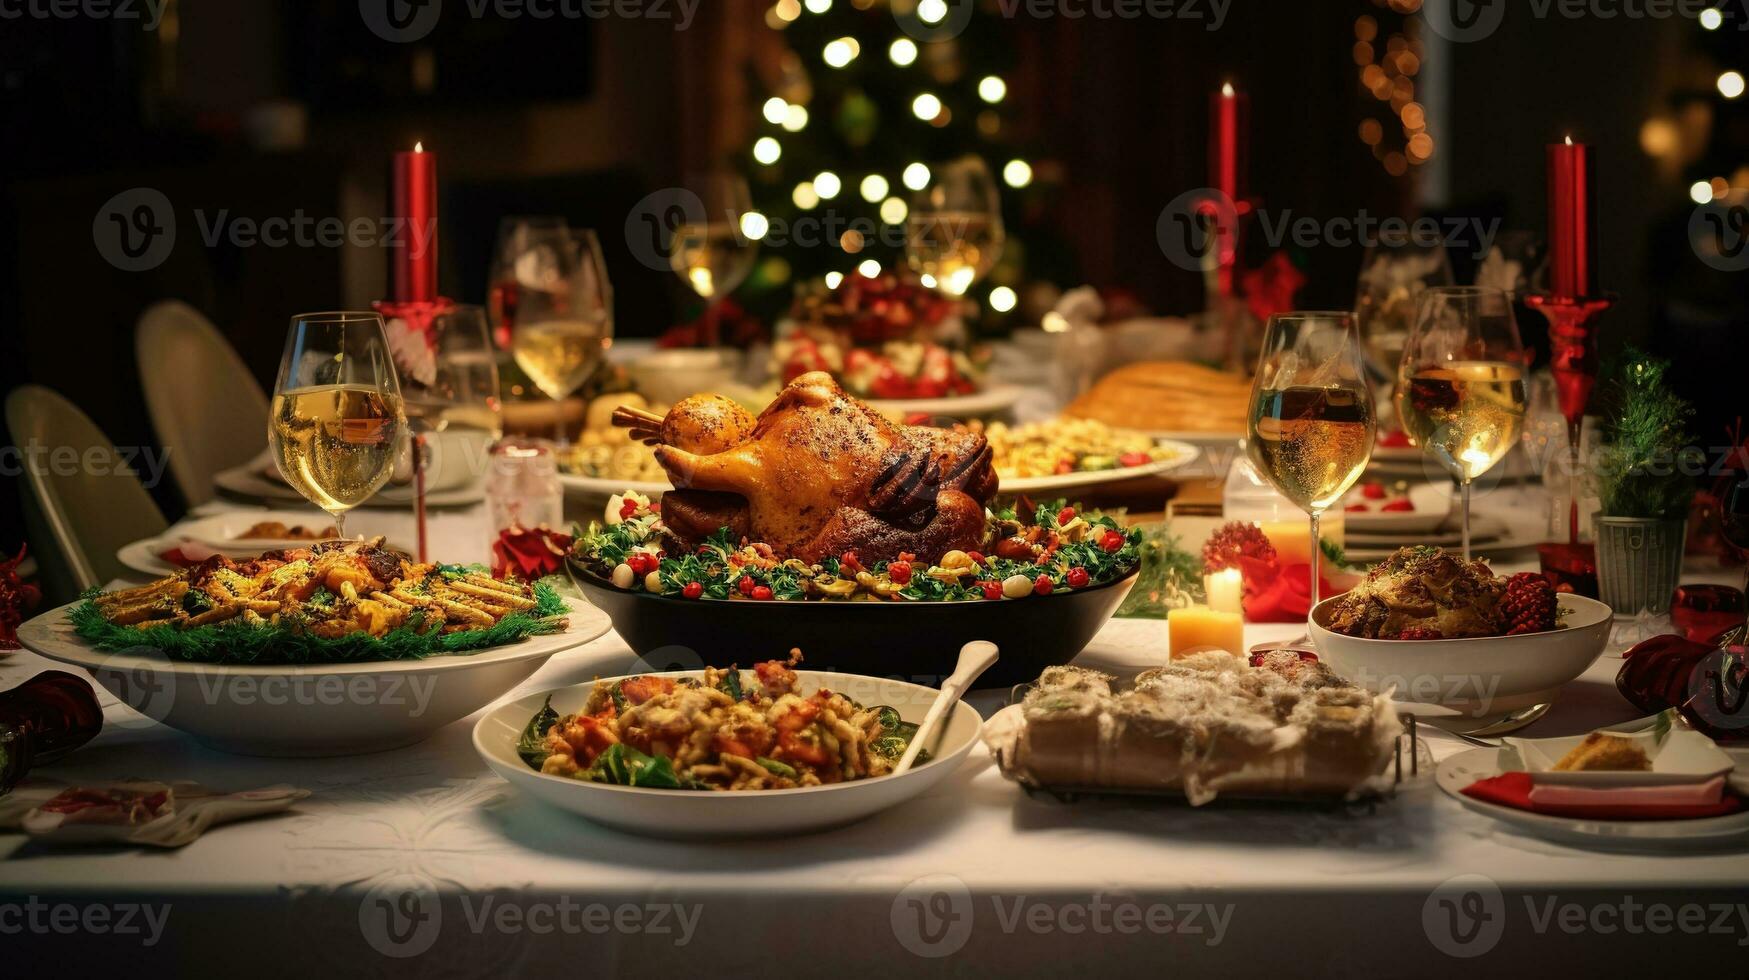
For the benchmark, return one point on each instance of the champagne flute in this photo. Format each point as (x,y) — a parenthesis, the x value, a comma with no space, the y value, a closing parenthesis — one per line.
(1461,387)
(1312,419)
(518,235)
(337,424)
(954,234)
(564,315)
(712,255)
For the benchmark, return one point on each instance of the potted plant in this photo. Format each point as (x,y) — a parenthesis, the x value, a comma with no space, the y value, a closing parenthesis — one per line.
(1645,484)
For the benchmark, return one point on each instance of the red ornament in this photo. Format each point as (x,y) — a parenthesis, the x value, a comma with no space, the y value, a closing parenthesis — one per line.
(17,598)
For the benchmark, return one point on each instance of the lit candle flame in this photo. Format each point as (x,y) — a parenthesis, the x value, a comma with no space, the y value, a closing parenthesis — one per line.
(1569,139)
(1227,90)
(419,147)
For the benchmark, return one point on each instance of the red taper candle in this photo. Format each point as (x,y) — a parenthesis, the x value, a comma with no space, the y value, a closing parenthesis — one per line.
(415,255)
(1572,221)
(1229,160)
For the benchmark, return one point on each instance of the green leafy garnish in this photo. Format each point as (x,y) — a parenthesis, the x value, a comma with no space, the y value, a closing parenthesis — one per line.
(531,745)
(196,601)
(622,765)
(777,768)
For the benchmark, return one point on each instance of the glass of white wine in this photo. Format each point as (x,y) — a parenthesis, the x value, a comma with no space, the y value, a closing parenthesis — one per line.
(337,424)
(1312,419)
(954,233)
(710,252)
(564,316)
(449,389)
(518,236)
(1461,387)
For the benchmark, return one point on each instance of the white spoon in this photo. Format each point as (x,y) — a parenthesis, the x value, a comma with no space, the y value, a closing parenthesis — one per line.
(975,658)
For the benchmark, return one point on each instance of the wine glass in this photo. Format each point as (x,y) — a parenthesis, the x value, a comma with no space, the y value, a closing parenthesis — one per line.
(1461,389)
(337,423)
(954,233)
(449,389)
(518,235)
(1392,278)
(710,252)
(1312,419)
(564,315)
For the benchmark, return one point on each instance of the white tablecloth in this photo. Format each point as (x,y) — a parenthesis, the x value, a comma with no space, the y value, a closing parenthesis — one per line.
(420,861)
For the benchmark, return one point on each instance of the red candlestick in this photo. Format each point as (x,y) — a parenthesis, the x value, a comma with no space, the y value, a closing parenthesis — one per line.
(1229,160)
(415,257)
(1572,221)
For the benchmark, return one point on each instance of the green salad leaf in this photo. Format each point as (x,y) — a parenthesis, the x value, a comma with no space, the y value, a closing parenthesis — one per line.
(531,744)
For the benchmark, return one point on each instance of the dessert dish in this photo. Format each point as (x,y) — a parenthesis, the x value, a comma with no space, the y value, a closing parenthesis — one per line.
(1423,593)
(1604,753)
(721,731)
(1168,396)
(1207,725)
(817,474)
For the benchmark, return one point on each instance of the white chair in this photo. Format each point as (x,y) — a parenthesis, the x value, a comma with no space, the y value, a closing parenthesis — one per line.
(83,500)
(208,410)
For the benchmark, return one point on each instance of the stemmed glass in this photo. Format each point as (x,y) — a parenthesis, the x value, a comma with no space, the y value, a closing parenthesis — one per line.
(710,251)
(337,423)
(449,385)
(518,236)
(954,233)
(1312,420)
(1461,390)
(564,315)
(1392,278)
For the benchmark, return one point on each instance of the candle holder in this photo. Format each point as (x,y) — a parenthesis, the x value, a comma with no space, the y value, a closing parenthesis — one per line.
(1573,344)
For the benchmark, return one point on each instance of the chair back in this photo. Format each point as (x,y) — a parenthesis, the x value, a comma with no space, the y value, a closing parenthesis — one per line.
(206,407)
(83,498)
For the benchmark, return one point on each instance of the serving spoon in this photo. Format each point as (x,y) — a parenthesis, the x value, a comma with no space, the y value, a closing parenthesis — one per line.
(975,658)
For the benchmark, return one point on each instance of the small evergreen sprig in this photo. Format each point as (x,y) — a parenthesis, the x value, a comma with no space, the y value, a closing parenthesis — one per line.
(1645,468)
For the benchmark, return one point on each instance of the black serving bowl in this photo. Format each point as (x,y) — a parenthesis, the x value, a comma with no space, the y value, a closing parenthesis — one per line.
(916,641)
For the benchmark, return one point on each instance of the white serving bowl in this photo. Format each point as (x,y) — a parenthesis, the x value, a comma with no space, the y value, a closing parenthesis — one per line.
(311,710)
(1476,678)
(703,814)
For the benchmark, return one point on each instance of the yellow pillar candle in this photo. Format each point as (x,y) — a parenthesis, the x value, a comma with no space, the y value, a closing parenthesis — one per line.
(1199,628)
(1293,539)
(1226,590)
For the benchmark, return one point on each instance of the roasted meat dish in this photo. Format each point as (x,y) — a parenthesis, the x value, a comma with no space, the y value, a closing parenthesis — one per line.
(819,473)
(1423,593)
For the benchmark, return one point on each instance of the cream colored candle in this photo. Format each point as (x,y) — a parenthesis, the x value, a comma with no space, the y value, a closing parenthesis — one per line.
(1199,628)
(1226,590)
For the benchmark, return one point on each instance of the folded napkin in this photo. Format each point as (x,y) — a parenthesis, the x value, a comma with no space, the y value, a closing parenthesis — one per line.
(1709,793)
(142,812)
(1517,790)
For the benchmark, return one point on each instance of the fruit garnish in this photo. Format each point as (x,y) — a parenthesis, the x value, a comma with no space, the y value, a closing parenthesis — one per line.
(1419,633)
(693,590)
(1401,505)
(1233,541)
(1078,578)
(1373,491)
(1529,604)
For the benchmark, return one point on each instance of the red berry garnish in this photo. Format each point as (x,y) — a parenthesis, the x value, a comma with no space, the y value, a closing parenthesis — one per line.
(761,592)
(1373,491)
(900,572)
(849,561)
(1529,604)
(704,551)
(992,590)
(1133,459)
(1112,541)
(745,585)
(1420,633)
(1233,541)
(1357,508)
(627,509)
(977,557)
(1065,515)
(1402,505)
(1078,578)
(693,590)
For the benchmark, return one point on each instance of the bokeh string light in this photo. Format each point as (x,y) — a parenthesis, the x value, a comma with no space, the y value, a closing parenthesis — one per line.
(1389,60)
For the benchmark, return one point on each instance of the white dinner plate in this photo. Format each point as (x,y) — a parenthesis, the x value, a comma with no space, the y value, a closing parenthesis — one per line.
(1201,440)
(959,408)
(1459,771)
(1433,509)
(252,482)
(601,486)
(142,556)
(700,814)
(314,709)
(1183,454)
(223,531)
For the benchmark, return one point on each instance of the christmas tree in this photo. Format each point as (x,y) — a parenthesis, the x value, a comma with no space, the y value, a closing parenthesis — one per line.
(873,95)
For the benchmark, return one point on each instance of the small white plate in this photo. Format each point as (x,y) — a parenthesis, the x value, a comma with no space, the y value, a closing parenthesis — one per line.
(959,408)
(221,532)
(1459,771)
(253,483)
(1433,509)
(1202,440)
(1679,758)
(142,556)
(701,815)
(604,487)
(1183,454)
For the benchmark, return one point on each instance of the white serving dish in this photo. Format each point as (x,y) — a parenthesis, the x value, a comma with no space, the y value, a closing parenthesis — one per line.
(1183,454)
(1679,758)
(1432,509)
(309,710)
(1478,678)
(698,815)
(1457,772)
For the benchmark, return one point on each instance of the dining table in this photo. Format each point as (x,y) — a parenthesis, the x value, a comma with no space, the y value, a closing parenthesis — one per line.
(422,861)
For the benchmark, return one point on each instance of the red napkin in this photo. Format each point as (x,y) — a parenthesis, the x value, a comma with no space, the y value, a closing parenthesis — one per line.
(1513,789)
(1278,594)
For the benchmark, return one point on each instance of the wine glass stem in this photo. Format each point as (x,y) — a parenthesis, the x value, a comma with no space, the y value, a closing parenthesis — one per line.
(1465,493)
(339,524)
(1317,557)
(1574,430)
(559,421)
